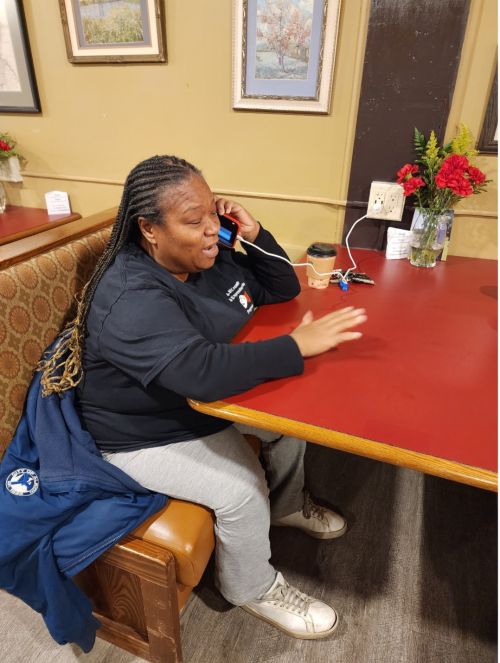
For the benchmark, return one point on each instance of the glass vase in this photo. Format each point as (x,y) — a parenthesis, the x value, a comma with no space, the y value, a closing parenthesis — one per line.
(3,199)
(429,233)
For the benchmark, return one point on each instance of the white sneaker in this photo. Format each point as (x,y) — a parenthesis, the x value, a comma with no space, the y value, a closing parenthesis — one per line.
(294,612)
(315,520)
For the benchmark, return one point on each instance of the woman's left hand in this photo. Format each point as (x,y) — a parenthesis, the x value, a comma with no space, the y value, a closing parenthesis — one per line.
(249,227)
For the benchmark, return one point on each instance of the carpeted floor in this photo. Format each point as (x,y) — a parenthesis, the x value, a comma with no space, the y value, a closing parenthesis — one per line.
(414,581)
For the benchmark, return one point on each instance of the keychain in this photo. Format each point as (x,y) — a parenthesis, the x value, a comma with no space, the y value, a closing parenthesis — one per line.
(351,277)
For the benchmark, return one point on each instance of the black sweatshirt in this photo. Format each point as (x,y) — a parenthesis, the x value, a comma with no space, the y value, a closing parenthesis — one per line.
(154,340)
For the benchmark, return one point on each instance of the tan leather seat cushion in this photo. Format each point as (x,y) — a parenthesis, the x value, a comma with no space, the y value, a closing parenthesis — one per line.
(187,530)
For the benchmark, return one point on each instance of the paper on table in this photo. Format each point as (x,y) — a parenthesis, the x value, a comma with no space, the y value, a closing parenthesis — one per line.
(398,243)
(57,202)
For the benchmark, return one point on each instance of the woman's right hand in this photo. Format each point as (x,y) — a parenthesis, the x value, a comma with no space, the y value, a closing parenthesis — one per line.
(314,337)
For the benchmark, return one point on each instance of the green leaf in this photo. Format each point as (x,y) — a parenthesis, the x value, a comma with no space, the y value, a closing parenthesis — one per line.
(420,142)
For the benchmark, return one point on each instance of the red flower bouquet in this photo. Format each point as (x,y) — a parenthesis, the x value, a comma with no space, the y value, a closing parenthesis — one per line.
(439,178)
(8,147)
(9,165)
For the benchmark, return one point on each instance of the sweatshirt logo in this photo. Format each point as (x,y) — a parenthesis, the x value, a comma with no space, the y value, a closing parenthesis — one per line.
(22,482)
(244,299)
(237,291)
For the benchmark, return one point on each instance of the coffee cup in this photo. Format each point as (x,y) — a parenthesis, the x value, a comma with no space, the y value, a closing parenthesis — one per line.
(321,256)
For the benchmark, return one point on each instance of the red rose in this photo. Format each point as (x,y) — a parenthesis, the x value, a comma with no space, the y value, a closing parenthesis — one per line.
(455,181)
(411,185)
(455,162)
(476,175)
(446,180)
(407,170)
(454,175)
(461,186)
(5,146)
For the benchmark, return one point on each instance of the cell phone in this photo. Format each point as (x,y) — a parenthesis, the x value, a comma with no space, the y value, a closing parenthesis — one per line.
(228,231)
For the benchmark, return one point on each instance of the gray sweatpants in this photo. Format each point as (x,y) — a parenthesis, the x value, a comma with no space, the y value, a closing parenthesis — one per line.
(222,472)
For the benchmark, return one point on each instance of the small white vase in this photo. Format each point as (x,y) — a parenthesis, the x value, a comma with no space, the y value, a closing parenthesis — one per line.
(10,170)
(3,199)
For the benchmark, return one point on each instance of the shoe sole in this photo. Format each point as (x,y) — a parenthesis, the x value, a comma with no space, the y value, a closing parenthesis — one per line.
(298,636)
(317,535)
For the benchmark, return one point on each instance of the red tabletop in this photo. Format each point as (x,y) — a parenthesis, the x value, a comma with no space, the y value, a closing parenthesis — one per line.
(424,375)
(18,222)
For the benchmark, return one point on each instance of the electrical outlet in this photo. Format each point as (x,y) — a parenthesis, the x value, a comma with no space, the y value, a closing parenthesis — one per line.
(386,201)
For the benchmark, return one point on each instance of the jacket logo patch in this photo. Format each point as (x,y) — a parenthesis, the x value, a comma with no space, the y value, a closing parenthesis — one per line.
(22,482)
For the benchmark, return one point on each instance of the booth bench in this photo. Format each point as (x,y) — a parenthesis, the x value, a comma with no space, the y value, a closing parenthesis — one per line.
(138,587)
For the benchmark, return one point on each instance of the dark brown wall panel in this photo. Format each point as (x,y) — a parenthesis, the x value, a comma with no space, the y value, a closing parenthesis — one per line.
(412,55)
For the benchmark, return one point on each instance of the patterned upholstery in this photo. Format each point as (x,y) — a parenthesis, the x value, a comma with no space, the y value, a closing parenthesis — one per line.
(137,587)
(37,298)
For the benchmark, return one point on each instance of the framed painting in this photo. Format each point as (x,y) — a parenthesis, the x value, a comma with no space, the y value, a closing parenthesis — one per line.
(284,54)
(18,91)
(113,30)
(488,140)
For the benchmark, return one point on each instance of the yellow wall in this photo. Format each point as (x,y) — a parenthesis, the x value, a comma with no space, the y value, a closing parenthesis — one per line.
(476,235)
(100,120)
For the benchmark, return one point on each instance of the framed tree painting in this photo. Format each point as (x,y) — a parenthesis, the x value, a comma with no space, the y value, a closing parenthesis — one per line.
(284,54)
(113,30)
(18,91)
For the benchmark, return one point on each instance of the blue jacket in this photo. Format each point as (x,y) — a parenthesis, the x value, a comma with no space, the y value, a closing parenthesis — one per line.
(61,506)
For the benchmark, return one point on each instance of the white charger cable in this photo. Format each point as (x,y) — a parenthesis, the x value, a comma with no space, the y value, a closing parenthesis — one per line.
(305,264)
(347,244)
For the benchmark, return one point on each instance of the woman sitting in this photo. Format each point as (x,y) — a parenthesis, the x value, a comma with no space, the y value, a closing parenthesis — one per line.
(153,328)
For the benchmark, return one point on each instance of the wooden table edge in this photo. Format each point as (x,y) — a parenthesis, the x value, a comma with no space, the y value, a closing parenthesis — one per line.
(33,245)
(34,230)
(439,467)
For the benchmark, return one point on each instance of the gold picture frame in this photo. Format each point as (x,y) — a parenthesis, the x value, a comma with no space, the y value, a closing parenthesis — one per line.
(102,31)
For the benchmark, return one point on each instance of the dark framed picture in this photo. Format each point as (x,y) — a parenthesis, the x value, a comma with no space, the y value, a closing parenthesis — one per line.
(488,140)
(18,91)
(108,31)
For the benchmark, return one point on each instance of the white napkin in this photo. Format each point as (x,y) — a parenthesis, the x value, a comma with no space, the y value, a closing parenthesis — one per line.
(398,243)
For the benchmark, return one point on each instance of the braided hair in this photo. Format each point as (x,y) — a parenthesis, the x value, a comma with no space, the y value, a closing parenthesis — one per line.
(142,196)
